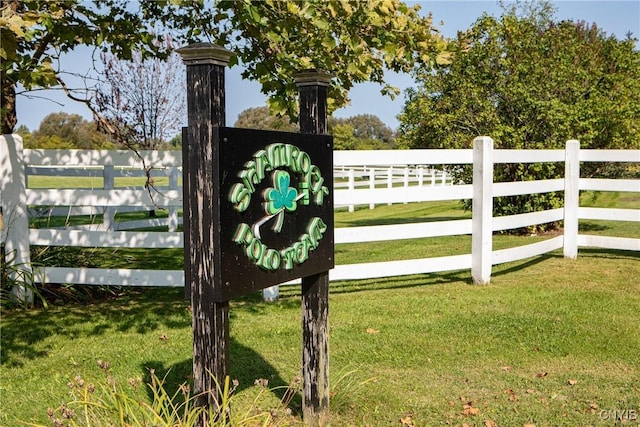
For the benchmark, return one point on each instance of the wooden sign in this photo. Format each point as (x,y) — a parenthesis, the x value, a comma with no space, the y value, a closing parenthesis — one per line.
(274,210)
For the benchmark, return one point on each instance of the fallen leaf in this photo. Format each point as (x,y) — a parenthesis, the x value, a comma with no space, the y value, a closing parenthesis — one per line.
(531,390)
(372,331)
(529,425)
(490,423)
(542,374)
(469,410)
(512,395)
(573,382)
(406,421)
(163,337)
(505,368)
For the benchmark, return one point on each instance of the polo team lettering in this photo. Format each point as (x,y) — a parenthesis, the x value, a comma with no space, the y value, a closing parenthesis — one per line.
(278,200)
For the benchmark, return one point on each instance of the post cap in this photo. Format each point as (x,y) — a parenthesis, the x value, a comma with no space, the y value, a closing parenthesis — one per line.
(205,53)
(312,78)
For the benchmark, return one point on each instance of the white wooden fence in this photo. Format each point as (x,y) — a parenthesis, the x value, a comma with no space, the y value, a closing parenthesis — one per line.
(18,164)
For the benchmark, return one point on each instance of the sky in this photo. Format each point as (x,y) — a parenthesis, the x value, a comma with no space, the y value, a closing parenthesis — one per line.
(613,16)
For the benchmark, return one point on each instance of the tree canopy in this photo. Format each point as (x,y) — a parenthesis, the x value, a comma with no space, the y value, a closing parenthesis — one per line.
(353,40)
(261,118)
(63,130)
(362,132)
(528,82)
(359,132)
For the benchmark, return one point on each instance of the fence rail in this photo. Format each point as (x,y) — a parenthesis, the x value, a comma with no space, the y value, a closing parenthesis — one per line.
(363,178)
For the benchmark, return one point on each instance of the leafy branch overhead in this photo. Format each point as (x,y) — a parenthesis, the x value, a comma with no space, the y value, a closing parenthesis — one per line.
(353,40)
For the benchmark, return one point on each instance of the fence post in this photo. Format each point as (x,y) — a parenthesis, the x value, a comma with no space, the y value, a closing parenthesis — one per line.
(482,210)
(372,184)
(15,218)
(352,185)
(390,179)
(205,64)
(405,180)
(109,215)
(571,198)
(312,88)
(173,185)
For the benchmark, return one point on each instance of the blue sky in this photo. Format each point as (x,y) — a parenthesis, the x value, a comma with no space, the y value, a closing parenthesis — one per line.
(613,16)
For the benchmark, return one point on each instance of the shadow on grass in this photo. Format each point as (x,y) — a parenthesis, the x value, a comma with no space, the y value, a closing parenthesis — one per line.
(137,310)
(246,366)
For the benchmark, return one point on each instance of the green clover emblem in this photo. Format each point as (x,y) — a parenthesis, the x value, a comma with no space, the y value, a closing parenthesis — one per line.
(280,198)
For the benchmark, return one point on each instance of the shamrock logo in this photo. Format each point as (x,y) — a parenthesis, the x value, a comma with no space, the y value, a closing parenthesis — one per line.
(278,199)
(281,197)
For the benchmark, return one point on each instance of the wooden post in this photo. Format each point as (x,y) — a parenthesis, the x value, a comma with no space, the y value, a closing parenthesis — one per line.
(206,109)
(312,88)
(571,198)
(185,219)
(482,210)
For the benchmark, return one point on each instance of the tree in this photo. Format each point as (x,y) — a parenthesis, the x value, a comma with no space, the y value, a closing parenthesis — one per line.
(369,132)
(63,130)
(354,40)
(261,118)
(360,132)
(343,137)
(143,100)
(528,82)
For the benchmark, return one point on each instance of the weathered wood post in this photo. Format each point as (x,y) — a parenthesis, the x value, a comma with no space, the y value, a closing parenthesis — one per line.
(312,88)
(206,109)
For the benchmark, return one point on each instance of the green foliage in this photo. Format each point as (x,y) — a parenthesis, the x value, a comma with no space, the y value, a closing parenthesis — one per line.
(361,132)
(261,118)
(64,131)
(343,137)
(530,83)
(353,40)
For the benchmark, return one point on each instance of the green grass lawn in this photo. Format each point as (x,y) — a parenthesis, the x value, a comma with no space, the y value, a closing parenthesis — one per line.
(550,341)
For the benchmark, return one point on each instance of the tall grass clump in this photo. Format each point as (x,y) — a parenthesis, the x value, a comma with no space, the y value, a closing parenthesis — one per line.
(140,404)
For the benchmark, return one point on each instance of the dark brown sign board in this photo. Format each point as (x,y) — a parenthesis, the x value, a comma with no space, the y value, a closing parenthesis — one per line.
(275,208)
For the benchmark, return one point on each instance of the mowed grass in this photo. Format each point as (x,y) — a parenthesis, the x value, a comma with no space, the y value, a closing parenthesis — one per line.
(550,341)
